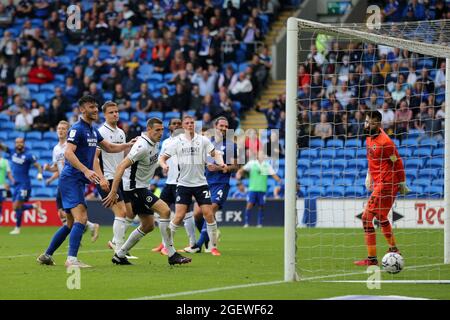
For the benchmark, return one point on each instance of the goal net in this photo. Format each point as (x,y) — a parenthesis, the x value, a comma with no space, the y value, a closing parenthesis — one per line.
(335,74)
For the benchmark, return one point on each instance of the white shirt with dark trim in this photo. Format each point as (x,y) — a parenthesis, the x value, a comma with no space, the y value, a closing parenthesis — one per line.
(110,161)
(144,157)
(172,175)
(58,155)
(192,156)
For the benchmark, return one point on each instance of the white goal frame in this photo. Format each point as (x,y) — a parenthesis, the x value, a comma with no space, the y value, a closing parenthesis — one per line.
(294,26)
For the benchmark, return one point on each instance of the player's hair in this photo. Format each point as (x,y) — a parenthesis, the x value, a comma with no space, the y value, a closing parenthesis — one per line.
(64,122)
(86,99)
(218,119)
(171,120)
(188,117)
(374,114)
(108,104)
(152,121)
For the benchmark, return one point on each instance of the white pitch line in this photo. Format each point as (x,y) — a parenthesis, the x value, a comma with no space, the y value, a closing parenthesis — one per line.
(392,281)
(258,284)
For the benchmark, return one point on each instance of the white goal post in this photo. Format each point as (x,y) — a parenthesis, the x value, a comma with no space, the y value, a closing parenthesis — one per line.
(358,32)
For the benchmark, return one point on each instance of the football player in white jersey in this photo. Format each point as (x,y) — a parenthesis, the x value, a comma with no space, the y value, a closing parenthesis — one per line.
(56,167)
(106,167)
(169,193)
(191,150)
(141,163)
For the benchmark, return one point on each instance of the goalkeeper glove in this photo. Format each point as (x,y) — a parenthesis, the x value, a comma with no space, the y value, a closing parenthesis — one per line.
(403,188)
(39,176)
(368,181)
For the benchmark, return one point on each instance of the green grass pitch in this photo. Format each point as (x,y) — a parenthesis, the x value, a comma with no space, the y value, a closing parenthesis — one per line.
(249,256)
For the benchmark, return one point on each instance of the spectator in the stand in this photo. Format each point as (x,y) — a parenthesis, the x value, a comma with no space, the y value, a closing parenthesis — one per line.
(426,81)
(343,129)
(144,102)
(241,192)
(55,114)
(433,125)
(242,91)
(40,74)
(314,114)
(96,93)
(388,118)
(180,100)
(54,42)
(21,89)
(421,117)
(63,102)
(71,91)
(178,63)
(126,51)
(303,76)
(41,122)
(403,117)
(250,34)
(399,93)
(205,80)
(225,106)
(122,98)
(439,79)
(391,11)
(22,70)
(344,95)
(196,100)
(83,57)
(323,129)
(358,125)
(131,83)
(135,129)
(228,78)
(416,9)
(24,120)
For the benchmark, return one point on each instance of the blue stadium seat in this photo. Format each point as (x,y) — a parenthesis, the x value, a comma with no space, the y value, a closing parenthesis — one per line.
(36,183)
(413,164)
(41,145)
(409,142)
(411,175)
(156,78)
(335,143)
(328,153)
(324,181)
(422,152)
(438,182)
(155,114)
(361,154)
(339,164)
(42,192)
(47,87)
(124,116)
(354,191)
(135,96)
(308,154)
(343,182)
(353,143)
(357,164)
(40,97)
(107,96)
(428,142)
(313,173)
(434,192)
(438,152)
(140,115)
(335,191)
(428,173)
(315,191)
(3,136)
(405,152)
(46,154)
(316,143)
(361,181)
(15,134)
(350,174)
(171,114)
(307,182)
(436,163)
(422,182)
(303,164)
(320,164)
(331,174)
(416,192)
(346,153)
(50,136)
(33,135)
(33,88)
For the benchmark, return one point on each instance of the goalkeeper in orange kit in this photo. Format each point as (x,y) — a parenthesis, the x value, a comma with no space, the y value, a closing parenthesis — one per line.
(385,177)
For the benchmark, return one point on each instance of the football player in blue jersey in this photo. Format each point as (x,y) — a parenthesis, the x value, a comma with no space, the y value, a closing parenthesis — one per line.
(77,172)
(21,162)
(218,178)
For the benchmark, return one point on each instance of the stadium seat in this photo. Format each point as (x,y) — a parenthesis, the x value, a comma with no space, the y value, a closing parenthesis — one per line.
(339,164)
(422,182)
(438,182)
(411,175)
(405,152)
(316,143)
(335,143)
(307,182)
(343,182)
(353,143)
(12,135)
(428,173)
(155,114)
(124,116)
(42,192)
(335,191)
(41,145)
(350,174)
(36,183)
(354,192)
(416,192)
(308,154)
(331,174)
(313,173)
(434,192)
(436,163)
(142,116)
(303,164)
(33,135)
(3,136)
(171,114)
(413,164)
(47,87)
(315,191)
(409,142)
(346,153)
(428,142)
(422,152)
(324,181)
(320,164)
(438,152)
(50,135)
(40,97)
(361,153)
(327,154)
(156,78)
(361,181)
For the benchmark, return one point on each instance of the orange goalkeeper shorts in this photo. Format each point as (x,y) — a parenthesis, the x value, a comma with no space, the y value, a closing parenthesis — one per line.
(380,203)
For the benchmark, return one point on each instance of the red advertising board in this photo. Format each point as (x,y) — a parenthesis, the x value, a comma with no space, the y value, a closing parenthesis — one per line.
(30,217)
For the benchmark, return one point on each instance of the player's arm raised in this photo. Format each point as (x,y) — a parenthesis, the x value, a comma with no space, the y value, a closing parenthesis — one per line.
(111,198)
(70,156)
(103,182)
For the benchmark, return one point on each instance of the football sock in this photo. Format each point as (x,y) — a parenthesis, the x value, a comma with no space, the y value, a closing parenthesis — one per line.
(371,240)
(247,216)
(19,212)
(119,227)
(212,233)
(260,216)
(90,226)
(199,223)
(75,238)
(134,238)
(203,236)
(167,236)
(189,225)
(58,238)
(386,228)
